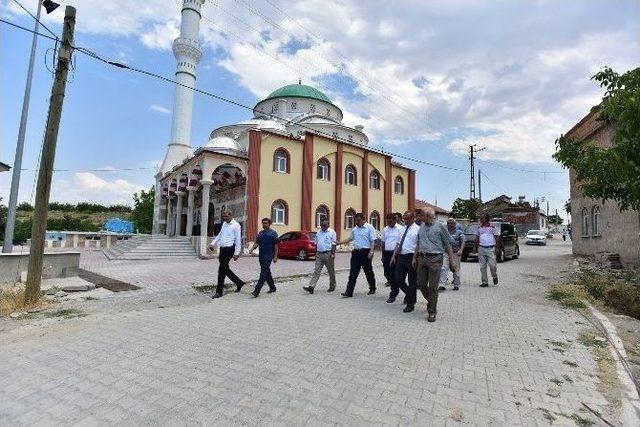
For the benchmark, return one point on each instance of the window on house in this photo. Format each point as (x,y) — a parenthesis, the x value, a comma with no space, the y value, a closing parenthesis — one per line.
(281,161)
(350,177)
(374,220)
(349,219)
(595,221)
(321,213)
(585,223)
(323,170)
(374,180)
(398,185)
(279,212)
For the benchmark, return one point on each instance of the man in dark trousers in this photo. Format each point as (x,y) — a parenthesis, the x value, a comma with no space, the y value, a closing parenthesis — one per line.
(230,242)
(363,236)
(402,259)
(267,241)
(391,235)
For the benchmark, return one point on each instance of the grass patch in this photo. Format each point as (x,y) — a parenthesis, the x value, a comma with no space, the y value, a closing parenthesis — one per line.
(570,363)
(12,300)
(65,313)
(616,291)
(556,381)
(590,339)
(567,378)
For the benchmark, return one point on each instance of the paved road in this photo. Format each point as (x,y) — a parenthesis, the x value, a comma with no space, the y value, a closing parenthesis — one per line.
(495,356)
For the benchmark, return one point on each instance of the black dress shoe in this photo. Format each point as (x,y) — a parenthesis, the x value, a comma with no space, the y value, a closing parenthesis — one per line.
(391,300)
(238,287)
(441,289)
(346,295)
(216,295)
(408,309)
(255,293)
(371,292)
(331,289)
(484,285)
(308,289)
(495,280)
(455,288)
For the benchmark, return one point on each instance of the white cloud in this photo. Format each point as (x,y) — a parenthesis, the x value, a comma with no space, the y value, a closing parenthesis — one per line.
(88,187)
(486,69)
(160,109)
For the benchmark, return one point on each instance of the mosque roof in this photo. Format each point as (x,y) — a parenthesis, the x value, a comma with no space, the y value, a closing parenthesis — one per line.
(298,91)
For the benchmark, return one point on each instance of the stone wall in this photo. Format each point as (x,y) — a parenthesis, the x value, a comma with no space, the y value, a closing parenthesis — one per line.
(619,231)
(14,266)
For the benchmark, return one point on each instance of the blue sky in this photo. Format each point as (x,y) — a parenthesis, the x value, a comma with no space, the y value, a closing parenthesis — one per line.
(425,79)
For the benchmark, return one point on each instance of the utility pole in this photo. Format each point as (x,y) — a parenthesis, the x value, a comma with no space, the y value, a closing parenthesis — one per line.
(7,245)
(479,185)
(43,189)
(472,174)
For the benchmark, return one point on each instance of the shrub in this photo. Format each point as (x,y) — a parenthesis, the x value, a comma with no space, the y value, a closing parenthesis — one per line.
(25,206)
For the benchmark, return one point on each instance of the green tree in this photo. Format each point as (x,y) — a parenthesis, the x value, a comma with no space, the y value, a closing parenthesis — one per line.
(567,207)
(142,213)
(555,219)
(610,173)
(465,208)
(25,207)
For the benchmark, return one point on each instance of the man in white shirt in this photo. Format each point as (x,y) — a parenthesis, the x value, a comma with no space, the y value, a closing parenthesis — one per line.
(325,256)
(230,242)
(363,236)
(402,259)
(391,236)
(487,239)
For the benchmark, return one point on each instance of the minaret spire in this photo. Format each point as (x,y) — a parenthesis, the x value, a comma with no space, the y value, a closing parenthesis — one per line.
(187,52)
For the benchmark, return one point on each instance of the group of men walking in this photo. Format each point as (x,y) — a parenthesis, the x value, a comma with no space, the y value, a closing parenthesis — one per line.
(416,254)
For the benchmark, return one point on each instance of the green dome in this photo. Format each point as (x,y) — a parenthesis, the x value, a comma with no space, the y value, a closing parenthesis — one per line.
(298,91)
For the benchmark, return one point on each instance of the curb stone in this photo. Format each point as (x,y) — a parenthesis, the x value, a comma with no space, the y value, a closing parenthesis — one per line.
(630,397)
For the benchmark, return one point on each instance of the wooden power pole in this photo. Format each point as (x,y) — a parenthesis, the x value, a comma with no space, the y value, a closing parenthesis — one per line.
(43,189)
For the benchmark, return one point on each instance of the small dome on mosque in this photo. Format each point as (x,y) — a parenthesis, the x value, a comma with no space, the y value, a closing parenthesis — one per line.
(223,144)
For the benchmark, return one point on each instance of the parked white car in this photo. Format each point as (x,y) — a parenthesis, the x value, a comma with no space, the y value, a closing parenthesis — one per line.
(535,237)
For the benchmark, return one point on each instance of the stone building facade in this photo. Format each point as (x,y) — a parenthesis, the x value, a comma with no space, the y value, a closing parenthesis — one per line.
(599,227)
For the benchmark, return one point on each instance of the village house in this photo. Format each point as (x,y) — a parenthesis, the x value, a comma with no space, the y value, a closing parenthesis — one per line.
(522,214)
(600,228)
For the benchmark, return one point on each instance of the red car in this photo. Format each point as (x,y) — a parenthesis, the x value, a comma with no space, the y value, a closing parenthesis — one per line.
(297,244)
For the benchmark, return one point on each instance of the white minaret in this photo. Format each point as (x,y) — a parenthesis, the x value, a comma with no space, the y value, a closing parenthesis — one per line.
(187,51)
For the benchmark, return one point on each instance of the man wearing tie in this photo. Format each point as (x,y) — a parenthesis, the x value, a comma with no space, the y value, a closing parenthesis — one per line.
(402,258)
(363,236)
(391,236)
(325,255)
(230,242)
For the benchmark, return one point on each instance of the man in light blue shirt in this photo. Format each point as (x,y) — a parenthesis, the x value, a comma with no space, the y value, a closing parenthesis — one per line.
(363,236)
(325,255)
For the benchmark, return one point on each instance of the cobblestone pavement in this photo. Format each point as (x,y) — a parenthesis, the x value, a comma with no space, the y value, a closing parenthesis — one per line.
(497,356)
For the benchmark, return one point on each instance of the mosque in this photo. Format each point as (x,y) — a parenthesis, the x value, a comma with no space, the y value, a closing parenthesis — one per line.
(295,162)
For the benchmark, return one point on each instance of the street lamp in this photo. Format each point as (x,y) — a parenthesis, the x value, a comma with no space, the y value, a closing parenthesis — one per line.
(7,246)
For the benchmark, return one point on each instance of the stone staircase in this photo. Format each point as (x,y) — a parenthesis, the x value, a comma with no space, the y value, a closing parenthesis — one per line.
(157,246)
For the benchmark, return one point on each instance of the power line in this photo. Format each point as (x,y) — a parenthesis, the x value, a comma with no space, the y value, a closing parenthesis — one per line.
(35,18)
(116,64)
(98,169)
(355,75)
(519,169)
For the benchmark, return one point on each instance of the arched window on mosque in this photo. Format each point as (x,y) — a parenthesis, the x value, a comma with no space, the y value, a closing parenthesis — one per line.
(398,185)
(322,212)
(281,161)
(350,175)
(374,220)
(279,210)
(324,170)
(349,219)
(374,180)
